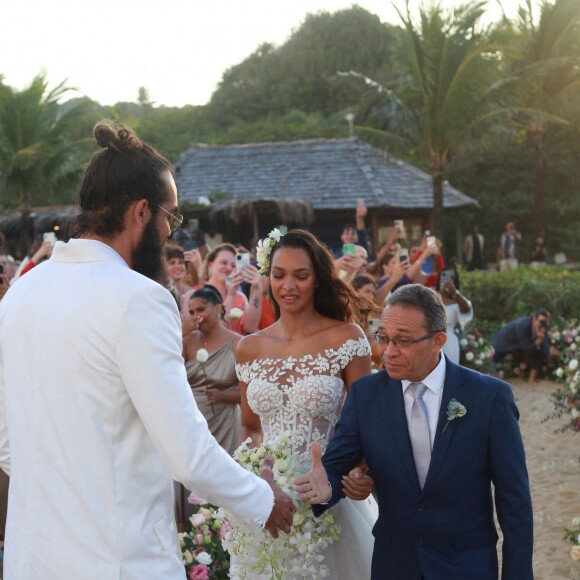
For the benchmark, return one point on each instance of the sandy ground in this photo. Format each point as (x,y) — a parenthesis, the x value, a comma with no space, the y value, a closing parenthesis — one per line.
(554,469)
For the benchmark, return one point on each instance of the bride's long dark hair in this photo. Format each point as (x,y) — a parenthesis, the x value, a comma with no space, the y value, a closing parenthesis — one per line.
(333,298)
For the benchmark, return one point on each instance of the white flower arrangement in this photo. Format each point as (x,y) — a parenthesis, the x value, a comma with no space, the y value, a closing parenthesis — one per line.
(264,248)
(298,554)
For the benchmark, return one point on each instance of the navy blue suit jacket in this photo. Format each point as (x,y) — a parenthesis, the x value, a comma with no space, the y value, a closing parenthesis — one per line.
(445,531)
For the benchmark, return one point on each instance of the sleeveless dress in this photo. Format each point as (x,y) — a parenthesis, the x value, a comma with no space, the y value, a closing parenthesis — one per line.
(302,398)
(455,317)
(224,420)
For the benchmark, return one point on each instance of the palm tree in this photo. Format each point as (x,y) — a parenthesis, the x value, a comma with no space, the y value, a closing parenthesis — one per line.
(542,73)
(446,64)
(39,148)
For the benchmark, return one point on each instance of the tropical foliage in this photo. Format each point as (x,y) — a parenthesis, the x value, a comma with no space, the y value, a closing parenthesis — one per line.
(434,87)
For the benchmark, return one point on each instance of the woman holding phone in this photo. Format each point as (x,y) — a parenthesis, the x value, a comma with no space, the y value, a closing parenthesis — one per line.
(224,272)
(459,310)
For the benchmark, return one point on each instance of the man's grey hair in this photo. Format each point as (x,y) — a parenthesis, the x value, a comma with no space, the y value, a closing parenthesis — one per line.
(424,299)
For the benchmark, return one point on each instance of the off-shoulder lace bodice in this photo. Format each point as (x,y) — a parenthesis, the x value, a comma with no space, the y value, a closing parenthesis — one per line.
(300,397)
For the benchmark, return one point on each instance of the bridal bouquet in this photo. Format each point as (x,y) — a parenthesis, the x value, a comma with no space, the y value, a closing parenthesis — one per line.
(300,553)
(203,555)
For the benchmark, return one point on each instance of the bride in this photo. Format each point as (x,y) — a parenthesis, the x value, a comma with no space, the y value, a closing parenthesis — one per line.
(295,373)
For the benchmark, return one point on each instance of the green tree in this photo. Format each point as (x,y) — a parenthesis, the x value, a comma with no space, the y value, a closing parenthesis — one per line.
(542,73)
(41,151)
(446,64)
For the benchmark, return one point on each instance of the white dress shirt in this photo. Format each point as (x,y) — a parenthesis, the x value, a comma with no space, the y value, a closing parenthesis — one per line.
(432,397)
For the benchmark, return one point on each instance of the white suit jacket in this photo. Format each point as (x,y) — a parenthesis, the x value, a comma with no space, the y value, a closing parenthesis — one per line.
(96,417)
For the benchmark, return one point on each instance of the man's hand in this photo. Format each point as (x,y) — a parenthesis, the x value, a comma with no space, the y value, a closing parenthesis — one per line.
(314,486)
(281,514)
(357,485)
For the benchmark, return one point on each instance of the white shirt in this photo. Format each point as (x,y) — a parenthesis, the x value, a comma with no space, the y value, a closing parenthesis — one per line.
(432,397)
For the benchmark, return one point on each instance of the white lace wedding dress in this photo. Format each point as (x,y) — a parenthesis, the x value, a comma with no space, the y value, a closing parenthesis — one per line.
(301,398)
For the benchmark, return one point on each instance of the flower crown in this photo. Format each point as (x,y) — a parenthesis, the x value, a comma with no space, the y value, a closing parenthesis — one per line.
(264,248)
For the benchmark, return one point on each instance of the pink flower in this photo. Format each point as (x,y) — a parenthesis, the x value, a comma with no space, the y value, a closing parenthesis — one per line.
(195,499)
(501,374)
(224,529)
(522,366)
(199,572)
(199,537)
(517,370)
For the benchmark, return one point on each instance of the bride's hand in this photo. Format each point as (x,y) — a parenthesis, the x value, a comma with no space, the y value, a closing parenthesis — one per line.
(314,486)
(357,485)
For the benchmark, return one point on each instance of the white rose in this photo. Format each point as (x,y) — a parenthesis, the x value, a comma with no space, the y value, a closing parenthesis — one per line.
(559,372)
(575,553)
(202,355)
(573,346)
(576,522)
(478,362)
(463,342)
(275,235)
(197,520)
(573,365)
(204,558)
(469,356)
(235,313)
(280,465)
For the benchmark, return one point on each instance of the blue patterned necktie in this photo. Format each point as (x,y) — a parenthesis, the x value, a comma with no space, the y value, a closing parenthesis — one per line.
(420,436)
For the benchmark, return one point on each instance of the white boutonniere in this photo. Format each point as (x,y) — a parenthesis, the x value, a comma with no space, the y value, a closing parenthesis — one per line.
(454,410)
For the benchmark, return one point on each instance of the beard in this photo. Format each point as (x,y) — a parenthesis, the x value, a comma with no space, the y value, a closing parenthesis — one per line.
(148,255)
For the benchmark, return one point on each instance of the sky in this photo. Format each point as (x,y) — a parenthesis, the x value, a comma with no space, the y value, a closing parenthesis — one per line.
(177,49)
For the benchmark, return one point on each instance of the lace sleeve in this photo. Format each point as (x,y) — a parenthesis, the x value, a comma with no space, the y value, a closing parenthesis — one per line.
(340,358)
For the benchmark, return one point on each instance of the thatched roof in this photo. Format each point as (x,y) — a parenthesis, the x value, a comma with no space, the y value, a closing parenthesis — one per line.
(44,219)
(245,208)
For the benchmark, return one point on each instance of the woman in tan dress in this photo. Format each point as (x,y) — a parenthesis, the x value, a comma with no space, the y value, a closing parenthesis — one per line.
(216,391)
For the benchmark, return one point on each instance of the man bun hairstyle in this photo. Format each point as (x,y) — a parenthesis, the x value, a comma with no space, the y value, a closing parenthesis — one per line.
(124,171)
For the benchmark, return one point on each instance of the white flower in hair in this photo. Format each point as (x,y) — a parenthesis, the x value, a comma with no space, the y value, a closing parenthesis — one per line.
(264,248)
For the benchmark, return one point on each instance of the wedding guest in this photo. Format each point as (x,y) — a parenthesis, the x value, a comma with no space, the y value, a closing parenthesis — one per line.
(214,383)
(509,247)
(458,309)
(97,414)
(539,252)
(473,249)
(443,445)
(526,338)
(221,272)
(175,266)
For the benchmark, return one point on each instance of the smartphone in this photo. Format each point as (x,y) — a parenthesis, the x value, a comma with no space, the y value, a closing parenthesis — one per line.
(432,242)
(242,260)
(193,225)
(403,254)
(445,277)
(374,325)
(49,237)
(348,250)
(400,225)
(190,245)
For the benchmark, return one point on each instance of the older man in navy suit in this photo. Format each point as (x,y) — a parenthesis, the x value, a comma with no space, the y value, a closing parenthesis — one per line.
(437,437)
